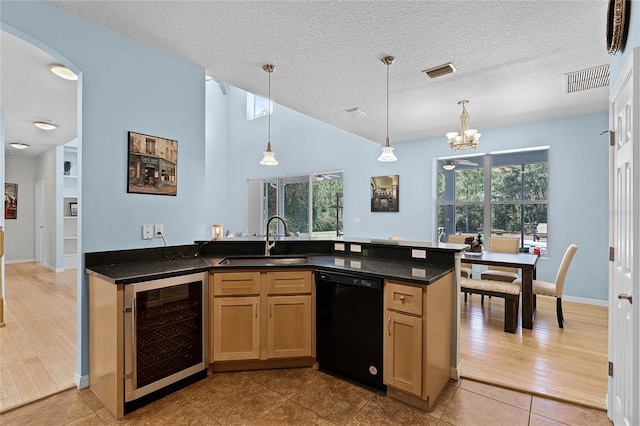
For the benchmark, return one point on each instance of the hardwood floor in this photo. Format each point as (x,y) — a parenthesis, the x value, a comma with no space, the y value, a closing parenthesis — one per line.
(568,364)
(38,344)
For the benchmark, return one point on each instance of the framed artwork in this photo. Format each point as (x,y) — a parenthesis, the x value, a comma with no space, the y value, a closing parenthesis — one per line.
(10,200)
(384,193)
(153,165)
(73,209)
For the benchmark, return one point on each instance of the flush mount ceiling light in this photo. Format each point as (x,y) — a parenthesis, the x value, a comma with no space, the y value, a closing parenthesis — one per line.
(468,138)
(355,112)
(44,125)
(387,152)
(19,145)
(63,72)
(269,158)
(449,165)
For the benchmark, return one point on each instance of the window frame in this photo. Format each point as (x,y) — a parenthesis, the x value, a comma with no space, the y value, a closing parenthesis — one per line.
(447,205)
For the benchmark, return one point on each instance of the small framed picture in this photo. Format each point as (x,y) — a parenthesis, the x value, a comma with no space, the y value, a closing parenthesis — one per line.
(73,209)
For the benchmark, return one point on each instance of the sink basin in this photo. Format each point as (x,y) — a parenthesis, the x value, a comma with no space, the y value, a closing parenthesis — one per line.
(265,261)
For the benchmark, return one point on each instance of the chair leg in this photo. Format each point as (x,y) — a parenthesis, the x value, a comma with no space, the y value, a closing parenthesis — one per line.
(482,299)
(465,296)
(559,312)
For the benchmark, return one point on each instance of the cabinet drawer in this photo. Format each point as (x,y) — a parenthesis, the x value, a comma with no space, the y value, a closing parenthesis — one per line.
(236,283)
(403,298)
(294,282)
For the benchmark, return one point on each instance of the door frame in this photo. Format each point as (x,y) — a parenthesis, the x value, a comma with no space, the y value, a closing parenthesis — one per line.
(630,74)
(39,220)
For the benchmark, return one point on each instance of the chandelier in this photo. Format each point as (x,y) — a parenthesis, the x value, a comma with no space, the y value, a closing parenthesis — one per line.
(468,138)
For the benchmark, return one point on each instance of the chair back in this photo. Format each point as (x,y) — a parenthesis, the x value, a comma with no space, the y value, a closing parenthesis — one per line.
(504,245)
(459,239)
(564,267)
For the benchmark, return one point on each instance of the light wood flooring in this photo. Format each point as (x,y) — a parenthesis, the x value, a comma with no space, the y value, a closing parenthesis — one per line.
(38,346)
(569,364)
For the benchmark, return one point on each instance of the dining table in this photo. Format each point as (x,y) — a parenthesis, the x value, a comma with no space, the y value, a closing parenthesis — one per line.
(527,264)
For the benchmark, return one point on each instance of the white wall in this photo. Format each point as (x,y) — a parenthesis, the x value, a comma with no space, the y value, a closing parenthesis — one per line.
(19,233)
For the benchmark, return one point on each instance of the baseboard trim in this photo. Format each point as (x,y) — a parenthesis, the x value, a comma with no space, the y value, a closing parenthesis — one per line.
(9,262)
(454,373)
(585,301)
(81,381)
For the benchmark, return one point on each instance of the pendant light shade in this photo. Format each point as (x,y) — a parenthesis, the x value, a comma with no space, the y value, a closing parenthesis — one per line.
(387,152)
(269,158)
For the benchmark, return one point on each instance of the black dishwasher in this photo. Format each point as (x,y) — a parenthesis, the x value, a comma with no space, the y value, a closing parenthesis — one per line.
(349,324)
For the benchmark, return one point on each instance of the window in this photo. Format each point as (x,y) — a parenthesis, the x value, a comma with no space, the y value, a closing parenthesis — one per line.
(503,193)
(257,106)
(310,204)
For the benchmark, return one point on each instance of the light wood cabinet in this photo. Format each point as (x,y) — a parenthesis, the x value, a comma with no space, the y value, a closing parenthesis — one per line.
(417,341)
(236,335)
(289,326)
(261,315)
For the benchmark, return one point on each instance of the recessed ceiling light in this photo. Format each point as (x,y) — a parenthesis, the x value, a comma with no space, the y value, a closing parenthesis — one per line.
(63,72)
(18,145)
(44,125)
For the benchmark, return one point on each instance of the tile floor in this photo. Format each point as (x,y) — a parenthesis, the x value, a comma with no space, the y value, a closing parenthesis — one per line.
(307,397)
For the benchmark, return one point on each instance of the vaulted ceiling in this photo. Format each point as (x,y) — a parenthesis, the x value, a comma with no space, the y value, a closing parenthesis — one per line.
(511,56)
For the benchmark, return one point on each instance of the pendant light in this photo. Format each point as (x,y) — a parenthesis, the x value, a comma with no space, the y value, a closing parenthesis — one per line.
(387,152)
(468,138)
(269,158)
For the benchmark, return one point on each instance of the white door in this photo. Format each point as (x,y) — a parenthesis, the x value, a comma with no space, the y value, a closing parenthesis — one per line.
(39,213)
(623,224)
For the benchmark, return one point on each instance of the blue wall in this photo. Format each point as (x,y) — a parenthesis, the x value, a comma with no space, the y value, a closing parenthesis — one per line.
(124,86)
(578,169)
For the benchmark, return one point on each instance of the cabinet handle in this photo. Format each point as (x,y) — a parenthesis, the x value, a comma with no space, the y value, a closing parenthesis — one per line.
(389,326)
(402,299)
(270,310)
(256,309)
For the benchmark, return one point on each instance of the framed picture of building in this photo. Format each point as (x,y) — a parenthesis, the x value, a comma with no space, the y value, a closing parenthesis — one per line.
(385,193)
(10,200)
(153,165)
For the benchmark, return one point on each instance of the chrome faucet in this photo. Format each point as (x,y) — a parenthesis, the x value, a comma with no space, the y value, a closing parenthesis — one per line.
(267,246)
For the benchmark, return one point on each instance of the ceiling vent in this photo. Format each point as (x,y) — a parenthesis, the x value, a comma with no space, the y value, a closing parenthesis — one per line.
(440,70)
(591,78)
(355,112)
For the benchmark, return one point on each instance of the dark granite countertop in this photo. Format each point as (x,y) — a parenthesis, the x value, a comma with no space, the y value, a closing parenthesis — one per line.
(133,272)
(375,258)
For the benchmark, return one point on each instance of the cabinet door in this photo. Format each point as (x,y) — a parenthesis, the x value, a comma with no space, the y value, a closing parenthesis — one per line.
(236,328)
(403,352)
(289,282)
(289,326)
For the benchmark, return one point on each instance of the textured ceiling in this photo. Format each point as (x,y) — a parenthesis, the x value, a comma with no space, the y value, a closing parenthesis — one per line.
(510,55)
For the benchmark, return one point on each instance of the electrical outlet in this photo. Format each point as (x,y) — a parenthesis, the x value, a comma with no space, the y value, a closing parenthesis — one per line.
(147,232)
(159,231)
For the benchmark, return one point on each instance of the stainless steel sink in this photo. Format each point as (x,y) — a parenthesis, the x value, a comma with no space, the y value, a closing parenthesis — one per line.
(264,261)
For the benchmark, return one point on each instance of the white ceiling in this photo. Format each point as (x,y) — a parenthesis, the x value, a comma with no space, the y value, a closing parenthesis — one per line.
(511,55)
(30,92)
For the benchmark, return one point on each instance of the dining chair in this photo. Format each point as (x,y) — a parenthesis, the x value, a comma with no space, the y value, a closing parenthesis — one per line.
(554,289)
(465,268)
(499,273)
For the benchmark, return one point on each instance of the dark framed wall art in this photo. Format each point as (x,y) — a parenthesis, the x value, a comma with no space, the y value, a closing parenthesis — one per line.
(385,193)
(10,200)
(153,165)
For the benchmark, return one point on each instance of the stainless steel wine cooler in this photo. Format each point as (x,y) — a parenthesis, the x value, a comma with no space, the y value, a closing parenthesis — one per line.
(165,336)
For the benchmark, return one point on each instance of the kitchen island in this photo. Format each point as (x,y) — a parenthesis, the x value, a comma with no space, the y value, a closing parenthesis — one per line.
(263,315)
